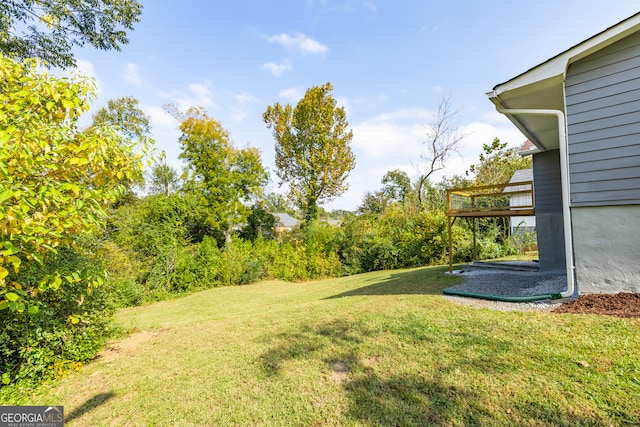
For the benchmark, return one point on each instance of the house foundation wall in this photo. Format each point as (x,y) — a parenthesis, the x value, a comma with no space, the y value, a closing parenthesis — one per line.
(606,243)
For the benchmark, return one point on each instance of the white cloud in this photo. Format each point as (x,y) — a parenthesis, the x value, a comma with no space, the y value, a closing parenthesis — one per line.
(433,27)
(159,118)
(132,74)
(299,42)
(478,134)
(202,91)
(239,112)
(244,98)
(292,94)
(391,134)
(277,69)
(198,95)
(369,5)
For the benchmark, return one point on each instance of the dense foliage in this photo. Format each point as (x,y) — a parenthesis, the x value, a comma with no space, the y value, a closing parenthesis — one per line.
(49,30)
(56,182)
(73,249)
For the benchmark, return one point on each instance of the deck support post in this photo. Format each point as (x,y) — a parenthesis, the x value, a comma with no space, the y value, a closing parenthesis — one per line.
(475,254)
(450,245)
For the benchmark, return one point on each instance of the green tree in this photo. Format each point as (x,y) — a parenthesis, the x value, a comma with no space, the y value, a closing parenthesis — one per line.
(259,223)
(374,203)
(55,181)
(227,177)
(49,29)
(276,202)
(497,163)
(397,185)
(132,124)
(125,115)
(396,188)
(163,180)
(313,152)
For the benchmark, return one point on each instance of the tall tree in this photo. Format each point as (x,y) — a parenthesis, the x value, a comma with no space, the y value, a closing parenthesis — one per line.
(49,29)
(227,177)
(55,180)
(313,152)
(444,138)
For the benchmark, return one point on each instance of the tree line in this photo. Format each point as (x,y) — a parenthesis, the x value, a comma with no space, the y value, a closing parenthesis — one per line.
(78,239)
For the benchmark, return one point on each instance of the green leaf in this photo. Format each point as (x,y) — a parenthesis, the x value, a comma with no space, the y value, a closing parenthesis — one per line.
(4,305)
(11,296)
(5,195)
(33,310)
(10,250)
(15,261)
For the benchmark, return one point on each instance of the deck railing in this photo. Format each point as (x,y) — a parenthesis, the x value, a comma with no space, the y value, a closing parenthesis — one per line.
(492,200)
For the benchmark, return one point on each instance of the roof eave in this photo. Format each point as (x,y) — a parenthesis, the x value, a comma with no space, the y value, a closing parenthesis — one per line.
(542,87)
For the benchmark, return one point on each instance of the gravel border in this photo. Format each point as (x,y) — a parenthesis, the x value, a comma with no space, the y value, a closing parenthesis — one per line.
(541,306)
(494,281)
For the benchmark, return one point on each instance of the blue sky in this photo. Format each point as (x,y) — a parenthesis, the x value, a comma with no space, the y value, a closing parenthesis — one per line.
(389,62)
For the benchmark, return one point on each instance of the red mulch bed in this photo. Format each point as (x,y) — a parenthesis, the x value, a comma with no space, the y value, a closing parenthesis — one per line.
(619,305)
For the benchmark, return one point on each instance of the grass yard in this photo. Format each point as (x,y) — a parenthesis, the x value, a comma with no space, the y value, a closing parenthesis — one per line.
(383,348)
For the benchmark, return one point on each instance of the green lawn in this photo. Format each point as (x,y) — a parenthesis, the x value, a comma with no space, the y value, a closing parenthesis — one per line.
(376,349)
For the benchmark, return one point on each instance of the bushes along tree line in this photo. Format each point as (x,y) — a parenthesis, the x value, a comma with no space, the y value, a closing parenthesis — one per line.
(69,212)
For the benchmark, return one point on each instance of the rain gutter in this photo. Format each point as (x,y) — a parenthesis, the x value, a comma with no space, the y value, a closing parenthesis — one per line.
(564,173)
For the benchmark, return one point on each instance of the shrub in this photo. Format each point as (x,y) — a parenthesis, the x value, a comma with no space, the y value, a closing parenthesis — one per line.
(68,328)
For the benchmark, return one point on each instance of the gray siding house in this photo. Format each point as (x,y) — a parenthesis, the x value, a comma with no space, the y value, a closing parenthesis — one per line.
(581,109)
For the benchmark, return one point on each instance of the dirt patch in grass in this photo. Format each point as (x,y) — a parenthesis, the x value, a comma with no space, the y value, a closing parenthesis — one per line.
(619,305)
(339,371)
(126,347)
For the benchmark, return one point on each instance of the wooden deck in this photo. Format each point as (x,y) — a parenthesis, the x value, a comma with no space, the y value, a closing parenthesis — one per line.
(487,201)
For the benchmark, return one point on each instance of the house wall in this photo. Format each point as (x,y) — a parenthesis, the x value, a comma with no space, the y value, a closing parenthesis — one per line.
(603,119)
(606,246)
(548,198)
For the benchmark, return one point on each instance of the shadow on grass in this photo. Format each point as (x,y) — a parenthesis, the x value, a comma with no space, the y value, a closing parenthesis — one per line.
(307,341)
(89,405)
(422,281)
(432,394)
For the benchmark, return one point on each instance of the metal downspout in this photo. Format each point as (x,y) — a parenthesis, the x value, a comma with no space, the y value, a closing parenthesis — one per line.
(564,172)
